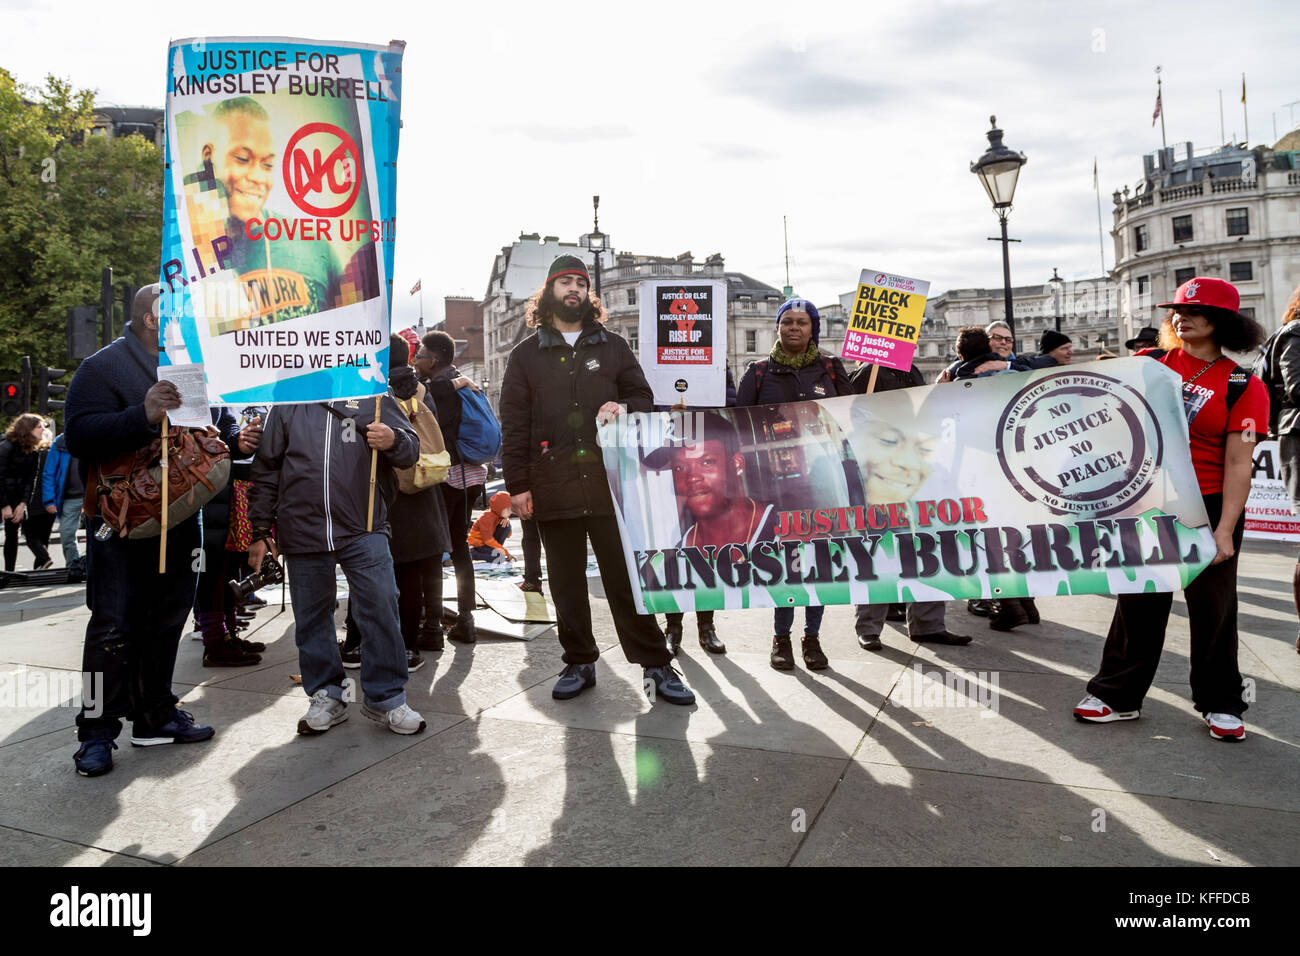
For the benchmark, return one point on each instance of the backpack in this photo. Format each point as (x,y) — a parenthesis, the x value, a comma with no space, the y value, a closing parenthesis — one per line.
(127,494)
(479,439)
(434,462)
(1267,369)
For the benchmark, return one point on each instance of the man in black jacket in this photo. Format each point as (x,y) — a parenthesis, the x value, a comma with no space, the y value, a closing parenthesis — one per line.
(559,384)
(115,406)
(311,482)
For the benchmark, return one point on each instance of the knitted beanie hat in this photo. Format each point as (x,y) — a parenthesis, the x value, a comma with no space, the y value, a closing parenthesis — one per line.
(803,305)
(1051,339)
(563,265)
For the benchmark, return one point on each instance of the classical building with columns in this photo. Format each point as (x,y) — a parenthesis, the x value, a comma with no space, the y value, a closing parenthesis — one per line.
(1229,212)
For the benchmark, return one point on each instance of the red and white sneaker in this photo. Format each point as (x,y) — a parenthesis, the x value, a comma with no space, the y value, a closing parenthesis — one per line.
(1225,727)
(1096,711)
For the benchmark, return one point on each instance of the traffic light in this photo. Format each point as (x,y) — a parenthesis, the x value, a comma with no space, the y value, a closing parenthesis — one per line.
(45,388)
(12,400)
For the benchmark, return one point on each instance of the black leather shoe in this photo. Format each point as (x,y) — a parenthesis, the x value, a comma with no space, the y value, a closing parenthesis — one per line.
(673,632)
(870,643)
(814,657)
(251,647)
(1031,610)
(430,638)
(574,679)
(980,608)
(782,654)
(710,641)
(463,632)
(942,637)
(896,612)
(1010,613)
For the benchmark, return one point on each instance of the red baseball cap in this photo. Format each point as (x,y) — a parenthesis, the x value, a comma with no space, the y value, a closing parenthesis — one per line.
(1208,293)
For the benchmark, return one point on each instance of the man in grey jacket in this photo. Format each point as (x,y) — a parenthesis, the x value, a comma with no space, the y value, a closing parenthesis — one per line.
(311,483)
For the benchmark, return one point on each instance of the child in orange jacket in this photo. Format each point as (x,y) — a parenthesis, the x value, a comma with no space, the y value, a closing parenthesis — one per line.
(491,528)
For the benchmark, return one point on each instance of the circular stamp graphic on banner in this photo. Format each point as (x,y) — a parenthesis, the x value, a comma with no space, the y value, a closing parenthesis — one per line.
(1079,442)
(331,171)
(680,385)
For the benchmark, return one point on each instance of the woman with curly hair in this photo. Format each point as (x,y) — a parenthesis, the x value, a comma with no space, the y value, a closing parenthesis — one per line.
(22,453)
(1225,405)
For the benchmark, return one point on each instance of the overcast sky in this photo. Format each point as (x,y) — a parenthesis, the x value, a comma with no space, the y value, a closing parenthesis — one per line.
(700,124)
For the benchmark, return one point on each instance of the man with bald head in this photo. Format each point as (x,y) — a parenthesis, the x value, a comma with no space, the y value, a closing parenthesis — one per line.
(115,406)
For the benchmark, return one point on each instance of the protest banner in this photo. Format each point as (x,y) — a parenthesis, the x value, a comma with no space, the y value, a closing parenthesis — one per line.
(279,205)
(1073,480)
(683,340)
(886,319)
(1268,509)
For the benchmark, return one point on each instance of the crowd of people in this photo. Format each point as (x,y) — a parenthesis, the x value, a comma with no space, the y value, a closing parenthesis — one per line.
(302,491)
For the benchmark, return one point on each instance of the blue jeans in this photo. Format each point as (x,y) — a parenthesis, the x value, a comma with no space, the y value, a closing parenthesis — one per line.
(783,620)
(136,619)
(368,565)
(69,522)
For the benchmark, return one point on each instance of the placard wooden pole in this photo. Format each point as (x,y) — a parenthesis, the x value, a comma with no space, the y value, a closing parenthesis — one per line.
(166,487)
(871,382)
(374,468)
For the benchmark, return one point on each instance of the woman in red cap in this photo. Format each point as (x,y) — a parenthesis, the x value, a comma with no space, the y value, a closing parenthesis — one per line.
(1225,405)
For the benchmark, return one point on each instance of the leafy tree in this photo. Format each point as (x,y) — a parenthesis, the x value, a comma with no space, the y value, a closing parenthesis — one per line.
(70,204)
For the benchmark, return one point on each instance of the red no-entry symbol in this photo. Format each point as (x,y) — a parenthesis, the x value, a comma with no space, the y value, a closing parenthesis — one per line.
(304,176)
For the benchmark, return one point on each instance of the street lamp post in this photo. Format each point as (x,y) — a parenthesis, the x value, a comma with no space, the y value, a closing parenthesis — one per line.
(998,170)
(1057,284)
(596,241)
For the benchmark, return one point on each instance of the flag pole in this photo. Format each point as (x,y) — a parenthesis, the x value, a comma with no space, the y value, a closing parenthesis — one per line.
(1244,118)
(1223,136)
(1101,244)
(1160,101)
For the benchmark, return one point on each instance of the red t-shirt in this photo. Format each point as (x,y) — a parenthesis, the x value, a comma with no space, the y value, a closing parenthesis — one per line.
(1208,420)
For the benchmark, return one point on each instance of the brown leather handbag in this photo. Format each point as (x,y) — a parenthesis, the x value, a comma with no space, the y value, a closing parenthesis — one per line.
(127,491)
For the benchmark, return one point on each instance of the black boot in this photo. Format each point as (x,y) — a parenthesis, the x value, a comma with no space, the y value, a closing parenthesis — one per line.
(463,632)
(709,639)
(782,653)
(673,632)
(1010,613)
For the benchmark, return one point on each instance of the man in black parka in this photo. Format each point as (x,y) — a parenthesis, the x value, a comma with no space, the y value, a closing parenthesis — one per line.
(559,383)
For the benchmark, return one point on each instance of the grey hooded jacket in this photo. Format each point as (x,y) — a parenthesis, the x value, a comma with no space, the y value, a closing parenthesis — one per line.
(311,477)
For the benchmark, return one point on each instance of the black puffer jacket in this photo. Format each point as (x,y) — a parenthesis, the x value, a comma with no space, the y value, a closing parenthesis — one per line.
(551,393)
(770,383)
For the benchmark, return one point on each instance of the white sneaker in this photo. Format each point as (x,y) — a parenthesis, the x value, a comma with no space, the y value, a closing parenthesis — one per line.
(1225,727)
(1096,711)
(323,714)
(400,720)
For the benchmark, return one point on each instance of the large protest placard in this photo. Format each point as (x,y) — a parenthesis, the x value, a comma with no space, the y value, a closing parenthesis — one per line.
(683,340)
(279,193)
(1073,480)
(886,319)
(1268,509)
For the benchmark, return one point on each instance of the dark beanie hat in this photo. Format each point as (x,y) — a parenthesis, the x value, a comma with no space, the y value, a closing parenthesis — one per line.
(1051,339)
(563,265)
(803,305)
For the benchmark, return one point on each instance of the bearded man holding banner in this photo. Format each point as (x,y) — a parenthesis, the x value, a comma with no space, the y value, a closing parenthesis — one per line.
(559,384)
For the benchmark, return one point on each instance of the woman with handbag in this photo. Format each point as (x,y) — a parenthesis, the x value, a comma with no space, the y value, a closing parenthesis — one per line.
(22,454)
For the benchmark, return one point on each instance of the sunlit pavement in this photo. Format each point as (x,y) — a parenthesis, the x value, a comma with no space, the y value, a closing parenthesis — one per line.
(910,755)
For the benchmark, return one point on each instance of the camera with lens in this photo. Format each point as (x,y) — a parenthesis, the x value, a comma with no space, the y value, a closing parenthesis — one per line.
(271,573)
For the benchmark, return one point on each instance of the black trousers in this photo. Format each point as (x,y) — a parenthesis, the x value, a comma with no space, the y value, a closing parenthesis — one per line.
(413,578)
(36,529)
(136,619)
(532,552)
(459,502)
(565,541)
(1137,636)
(701,618)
